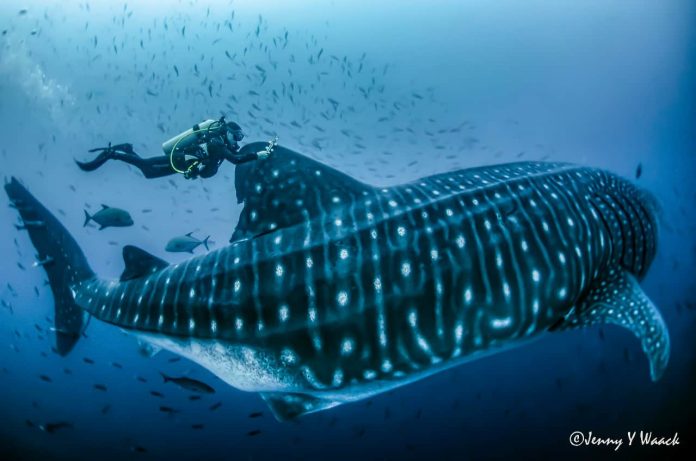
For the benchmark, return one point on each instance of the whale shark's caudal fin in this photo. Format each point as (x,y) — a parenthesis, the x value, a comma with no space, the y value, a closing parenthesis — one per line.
(288,188)
(61,258)
(618,299)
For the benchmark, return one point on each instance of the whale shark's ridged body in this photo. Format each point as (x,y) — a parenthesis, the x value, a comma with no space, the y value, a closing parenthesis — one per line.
(335,290)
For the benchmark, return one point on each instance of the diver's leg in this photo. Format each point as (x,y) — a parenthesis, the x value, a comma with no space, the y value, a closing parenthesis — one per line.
(105,153)
(152,167)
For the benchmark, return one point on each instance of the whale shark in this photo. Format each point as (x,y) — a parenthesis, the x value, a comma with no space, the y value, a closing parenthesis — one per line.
(333,290)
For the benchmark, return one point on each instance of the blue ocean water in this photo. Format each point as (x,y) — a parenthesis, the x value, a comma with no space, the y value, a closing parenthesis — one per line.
(388,92)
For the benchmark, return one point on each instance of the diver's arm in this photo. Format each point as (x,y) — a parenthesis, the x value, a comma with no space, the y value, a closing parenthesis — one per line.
(219,149)
(237,158)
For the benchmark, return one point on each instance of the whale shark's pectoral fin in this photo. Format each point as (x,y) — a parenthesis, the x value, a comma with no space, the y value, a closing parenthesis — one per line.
(147,349)
(619,299)
(285,406)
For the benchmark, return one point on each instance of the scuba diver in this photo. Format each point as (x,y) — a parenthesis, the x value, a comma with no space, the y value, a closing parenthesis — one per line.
(197,152)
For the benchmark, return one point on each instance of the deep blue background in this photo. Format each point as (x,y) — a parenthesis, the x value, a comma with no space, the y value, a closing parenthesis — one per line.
(422,87)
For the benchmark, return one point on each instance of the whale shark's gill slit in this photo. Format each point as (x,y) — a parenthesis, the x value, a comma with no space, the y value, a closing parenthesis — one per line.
(635,264)
(622,218)
(642,220)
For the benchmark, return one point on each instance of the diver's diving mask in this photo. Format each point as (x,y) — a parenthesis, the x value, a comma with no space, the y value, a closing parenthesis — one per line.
(234,133)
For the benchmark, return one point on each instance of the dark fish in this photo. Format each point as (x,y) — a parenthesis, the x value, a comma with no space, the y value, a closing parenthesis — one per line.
(156,394)
(174,359)
(194,397)
(109,217)
(254,432)
(88,360)
(100,387)
(197,426)
(256,414)
(141,379)
(138,449)
(45,378)
(51,428)
(169,410)
(105,409)
(116,365)
(215,406)
(639,170)
(22,12)
(189,384)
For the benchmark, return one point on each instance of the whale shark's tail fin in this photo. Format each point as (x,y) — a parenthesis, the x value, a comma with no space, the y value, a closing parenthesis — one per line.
(61,258)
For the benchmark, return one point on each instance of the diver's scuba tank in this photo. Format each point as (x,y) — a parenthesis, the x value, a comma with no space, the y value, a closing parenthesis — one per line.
(177,146)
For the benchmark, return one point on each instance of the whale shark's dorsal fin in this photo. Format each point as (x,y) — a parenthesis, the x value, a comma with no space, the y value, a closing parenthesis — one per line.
(139,263)
(287,188)
(285,406)
(618,299)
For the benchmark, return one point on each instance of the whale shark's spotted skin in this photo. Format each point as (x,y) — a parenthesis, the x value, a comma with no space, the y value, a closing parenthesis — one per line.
(335,290)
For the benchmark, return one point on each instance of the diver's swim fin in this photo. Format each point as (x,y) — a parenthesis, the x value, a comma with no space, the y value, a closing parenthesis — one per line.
(96,163)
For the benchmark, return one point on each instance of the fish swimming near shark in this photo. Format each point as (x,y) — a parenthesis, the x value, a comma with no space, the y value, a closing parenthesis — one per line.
(186,243)
(334,290)
(189,384)
(109,217)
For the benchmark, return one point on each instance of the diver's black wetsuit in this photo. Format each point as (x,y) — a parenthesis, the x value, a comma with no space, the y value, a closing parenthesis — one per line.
(205,165)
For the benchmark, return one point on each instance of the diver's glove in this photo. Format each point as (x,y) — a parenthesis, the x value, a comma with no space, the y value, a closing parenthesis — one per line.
(263,154)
